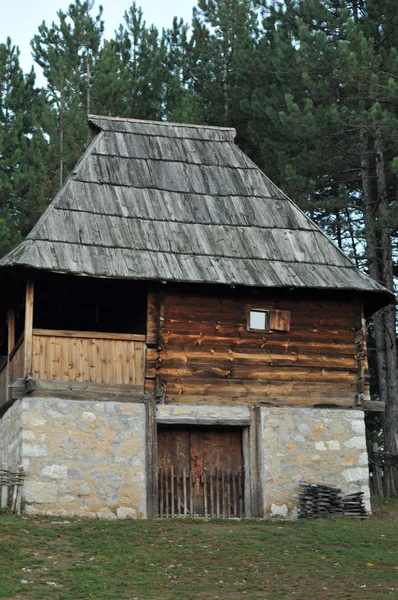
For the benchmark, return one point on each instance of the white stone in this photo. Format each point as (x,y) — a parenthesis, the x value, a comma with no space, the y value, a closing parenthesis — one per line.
(28,435)
(40,493)
(356,474)
(363,459)
(357,441)
(36,421)
(55,471)
(320,446)
(32,450)
(106,513)
(333,444)
(67,499)
(124,512)
(303,428)
(89,416)
(358,427)
(279,511)
(26,464)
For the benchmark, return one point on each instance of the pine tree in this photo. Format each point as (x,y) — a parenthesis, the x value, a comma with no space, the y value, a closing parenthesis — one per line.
(130,78)
(22,170)
(343,116)
(67,52)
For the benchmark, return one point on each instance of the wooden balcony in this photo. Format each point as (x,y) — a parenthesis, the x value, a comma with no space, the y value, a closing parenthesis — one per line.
(116,359)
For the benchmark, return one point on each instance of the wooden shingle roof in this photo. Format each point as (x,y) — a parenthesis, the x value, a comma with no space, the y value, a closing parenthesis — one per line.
(160,201)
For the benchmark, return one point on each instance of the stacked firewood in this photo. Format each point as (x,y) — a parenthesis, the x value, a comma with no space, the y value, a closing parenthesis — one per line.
(318,500)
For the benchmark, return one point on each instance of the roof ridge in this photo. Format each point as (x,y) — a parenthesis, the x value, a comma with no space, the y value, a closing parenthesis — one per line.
(91,117)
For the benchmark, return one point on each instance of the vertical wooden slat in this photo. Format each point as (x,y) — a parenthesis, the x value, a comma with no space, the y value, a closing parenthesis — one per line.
(229,479)
(234,494)
(240,493)
(28,335)
(205,493)
(161,493)
(178,483)
(218,492)
(191,484)
(172,498)
(223,492)
(212,511)
(184,479)
(167,491)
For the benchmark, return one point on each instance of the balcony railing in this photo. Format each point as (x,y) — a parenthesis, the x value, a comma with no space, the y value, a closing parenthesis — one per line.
(113,358)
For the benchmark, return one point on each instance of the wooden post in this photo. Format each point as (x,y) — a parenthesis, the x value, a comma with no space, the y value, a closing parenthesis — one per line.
(4,488)
(19,491)
(11,344)
(152,459)
(28,335)
(377,480)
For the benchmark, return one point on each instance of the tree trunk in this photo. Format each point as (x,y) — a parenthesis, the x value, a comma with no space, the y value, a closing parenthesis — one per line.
(389,316)
(373,262)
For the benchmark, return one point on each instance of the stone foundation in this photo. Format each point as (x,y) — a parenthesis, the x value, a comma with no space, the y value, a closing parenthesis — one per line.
(11,437)
(84,458)
(320,445)
(88,458)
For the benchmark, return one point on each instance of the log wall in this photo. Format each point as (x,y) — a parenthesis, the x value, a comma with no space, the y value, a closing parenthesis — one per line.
(207,354)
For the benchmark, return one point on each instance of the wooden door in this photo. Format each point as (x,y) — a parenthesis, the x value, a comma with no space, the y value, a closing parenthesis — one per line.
(200,471)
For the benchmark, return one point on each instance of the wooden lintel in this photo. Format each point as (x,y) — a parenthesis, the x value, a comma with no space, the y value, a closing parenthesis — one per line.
(373,406)
(28,331)
(242,422)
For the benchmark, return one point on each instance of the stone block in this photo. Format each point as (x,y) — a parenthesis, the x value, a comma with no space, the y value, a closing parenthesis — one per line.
(125,512)
(40,493)
(54,471)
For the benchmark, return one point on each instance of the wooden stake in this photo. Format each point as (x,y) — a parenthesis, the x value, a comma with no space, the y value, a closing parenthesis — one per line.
(161,499)
(4,489)
(172,489)
(205,492)
(19,491)
(184,480)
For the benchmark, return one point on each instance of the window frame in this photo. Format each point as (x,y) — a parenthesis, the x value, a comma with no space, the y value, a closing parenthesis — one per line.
(249,310)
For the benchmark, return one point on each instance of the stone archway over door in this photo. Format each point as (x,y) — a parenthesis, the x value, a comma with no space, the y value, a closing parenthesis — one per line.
(200,471)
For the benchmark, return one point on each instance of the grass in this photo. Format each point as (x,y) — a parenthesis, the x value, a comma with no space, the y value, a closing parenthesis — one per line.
(170,559)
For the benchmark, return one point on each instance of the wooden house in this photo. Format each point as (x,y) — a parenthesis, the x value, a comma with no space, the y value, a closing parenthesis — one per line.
(178,338)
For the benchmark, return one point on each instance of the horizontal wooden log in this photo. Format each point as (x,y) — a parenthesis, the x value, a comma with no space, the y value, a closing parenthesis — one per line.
(255,358)
(273,343)
(266,373)
(245,388)
(201,301)
(95,335)
(373,406)
(298,401)
(76,390)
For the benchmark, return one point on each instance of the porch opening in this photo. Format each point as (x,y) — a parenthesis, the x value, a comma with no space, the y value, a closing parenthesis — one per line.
(200,472)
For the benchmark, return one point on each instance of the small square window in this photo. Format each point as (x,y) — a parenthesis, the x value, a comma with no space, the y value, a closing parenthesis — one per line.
(258,320)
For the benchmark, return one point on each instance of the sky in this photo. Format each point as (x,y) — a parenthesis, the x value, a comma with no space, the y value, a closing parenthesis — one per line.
(20,19)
